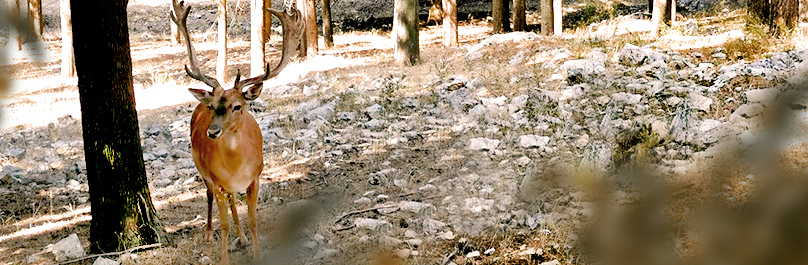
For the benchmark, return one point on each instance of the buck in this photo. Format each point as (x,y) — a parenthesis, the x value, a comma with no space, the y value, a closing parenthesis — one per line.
(226,142)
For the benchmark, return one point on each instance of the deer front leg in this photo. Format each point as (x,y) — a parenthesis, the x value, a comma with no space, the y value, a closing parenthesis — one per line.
(236,222)
(221,200)
(252,208)
(209,224)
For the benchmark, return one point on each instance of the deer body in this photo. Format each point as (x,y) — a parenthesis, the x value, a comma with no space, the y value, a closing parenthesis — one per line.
(226,142)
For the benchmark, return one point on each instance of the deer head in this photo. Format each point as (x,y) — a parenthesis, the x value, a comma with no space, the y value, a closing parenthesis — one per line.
(226,106)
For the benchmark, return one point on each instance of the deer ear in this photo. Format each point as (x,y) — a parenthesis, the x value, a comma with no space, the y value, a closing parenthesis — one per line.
(202,95)
(253,92)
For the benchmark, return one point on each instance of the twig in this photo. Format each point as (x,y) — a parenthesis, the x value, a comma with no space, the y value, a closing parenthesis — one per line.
(448,258)
(112,253)
(363,211)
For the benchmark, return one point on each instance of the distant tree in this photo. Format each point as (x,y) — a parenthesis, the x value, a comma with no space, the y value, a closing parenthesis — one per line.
(122,209)
(547,17)
(405,32)
(221,59)
(500,16)
(309,12)
(68,61)
(557,17)
(257,50)
(267,21)
(14,36)
(328,33)
(175,33)
(519,16)
(778,15)
(450,23)
(35,18)
(657,15)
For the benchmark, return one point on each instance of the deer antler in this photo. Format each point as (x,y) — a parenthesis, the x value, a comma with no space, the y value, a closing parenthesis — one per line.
(293,28)
(181,11)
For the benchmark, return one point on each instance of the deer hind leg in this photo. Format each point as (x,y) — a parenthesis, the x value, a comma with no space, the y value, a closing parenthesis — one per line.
(252,202)
(236,222)
(209,224)
(221,202)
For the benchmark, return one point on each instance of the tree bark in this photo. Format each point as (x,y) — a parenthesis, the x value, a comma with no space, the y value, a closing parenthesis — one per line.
(257,61)
(68,62)
(328,33)
(267,21)
(657,16)
(672,5)
(519,16)
(175,33)
(310,16)
(557,18)
(14,36)
(35,18)
(450,23)
(221,60)
(547,17)
(122,209)
(774,14)
(506,15)
(405,32)
(496,16)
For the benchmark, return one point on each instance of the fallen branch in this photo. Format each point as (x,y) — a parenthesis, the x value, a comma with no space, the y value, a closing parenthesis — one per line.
(112,253)
(363,211)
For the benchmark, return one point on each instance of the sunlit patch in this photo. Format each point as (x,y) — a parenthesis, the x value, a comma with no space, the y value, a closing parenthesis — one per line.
(45,228)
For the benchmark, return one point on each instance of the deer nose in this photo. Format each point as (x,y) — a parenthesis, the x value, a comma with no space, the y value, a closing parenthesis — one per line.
(214,131)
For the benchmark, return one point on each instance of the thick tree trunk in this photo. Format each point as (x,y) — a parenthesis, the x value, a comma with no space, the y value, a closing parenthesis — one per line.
(35,18)
(450,23)
(328,33)
(122,209)
(496,16)
(310,16)
(267,21)
(506,15)
(557,17)
(257,62)
(14,36)
(547,17)
(657,16)
(175,33)
(405,32)
(774,13)
(519,16)
(221,60)
(68,62)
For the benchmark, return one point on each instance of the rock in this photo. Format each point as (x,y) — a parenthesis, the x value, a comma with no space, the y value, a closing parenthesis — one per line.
(654,57)
(67,248)
(552,262)
(473,255)
(372,224)
(596,155)
(16,153)
(626,98)
(402,253)
(580,71)
(390,241)
(700,102)
(105,261)
(597,56)
(346,116)
(748,110)
(10,173)
(432,226)
(419,208)
(326,253)
(631,55)
(482,144)
(682,125)
(763,96)
(533,141)
(518,59)
(324,112)
(655,69)
(747,138)
(656,88)
(375,124)
(205,260)
(719,55)
(489,251)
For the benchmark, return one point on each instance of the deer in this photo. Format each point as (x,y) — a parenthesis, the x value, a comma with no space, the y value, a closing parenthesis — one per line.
(226,142)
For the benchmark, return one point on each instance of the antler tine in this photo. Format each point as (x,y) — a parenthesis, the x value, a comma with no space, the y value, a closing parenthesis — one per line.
(293,28)
(180,17)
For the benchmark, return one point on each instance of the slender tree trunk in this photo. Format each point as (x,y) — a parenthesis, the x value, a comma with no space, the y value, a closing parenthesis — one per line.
(328,33)
(267,21)
(175,33)
(506,15)
(35,18)
(519,16)
(68,62)
(257,62)
(657,15)
(557,18)
(405,32)
(221,60)
(14,36)
(672,5)
(547,17)
(497,13)
(450,23)
(122,209)
(310,15)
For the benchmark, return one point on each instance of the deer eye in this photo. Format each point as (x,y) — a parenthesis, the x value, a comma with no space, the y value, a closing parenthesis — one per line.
(236,107)
(210,107)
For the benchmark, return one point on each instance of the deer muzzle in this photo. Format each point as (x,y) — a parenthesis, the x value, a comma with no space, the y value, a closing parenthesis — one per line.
(214,131)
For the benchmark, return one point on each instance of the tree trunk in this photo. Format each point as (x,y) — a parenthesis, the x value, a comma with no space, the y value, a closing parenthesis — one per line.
(14,36)
(122,209)
(774,14)
(506,15)
(450,23)
(496,16)
(267,21)
(519,16)
(221,60)
(547,17)
(328,33)
(557,18)
(786,13)
(257,62)
(68,62)
(405,32)
(310,16)
(657,16)
(672,11)
(35,18)
(175,33)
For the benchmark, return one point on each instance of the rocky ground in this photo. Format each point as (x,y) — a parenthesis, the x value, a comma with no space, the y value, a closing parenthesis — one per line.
(499,152)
